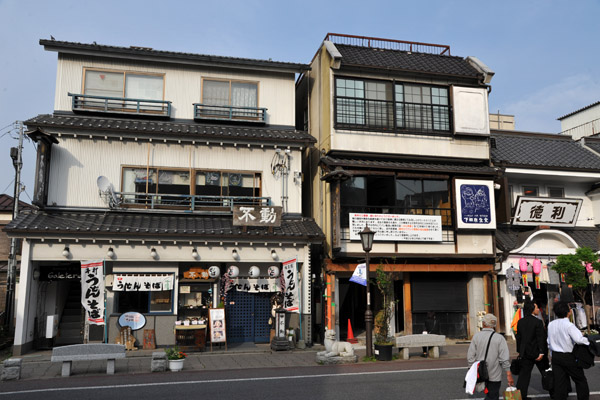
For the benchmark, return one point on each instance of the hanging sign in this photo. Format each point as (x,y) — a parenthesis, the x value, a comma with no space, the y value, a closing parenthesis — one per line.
(256,216)
(92,291)
(547,211)
(475,205)
(360,275)
(133,319)
(256,285)
(142,283)
(290,294)
(216,317)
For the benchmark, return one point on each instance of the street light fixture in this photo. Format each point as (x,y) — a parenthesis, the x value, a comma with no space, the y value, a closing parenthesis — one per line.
(366,238)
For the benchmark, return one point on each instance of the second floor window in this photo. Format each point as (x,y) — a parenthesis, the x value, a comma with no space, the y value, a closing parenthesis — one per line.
(123,84)
(220,97)
(368,104)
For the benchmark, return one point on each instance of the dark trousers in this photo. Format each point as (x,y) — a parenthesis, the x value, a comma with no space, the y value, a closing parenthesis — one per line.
(493,390)
(525,374)
(563,366)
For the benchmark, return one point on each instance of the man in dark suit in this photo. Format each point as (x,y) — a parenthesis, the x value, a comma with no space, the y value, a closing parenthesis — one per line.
(531,344)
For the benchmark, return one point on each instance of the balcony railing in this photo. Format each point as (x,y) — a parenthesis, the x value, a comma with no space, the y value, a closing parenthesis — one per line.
(184,202)
(120,105)
(231,113)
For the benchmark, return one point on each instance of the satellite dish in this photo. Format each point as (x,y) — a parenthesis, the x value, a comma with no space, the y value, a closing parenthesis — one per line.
(107,192)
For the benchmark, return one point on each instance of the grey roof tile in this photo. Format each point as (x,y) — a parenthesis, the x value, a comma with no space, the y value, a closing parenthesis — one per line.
(171,128)
(519,149)
(126,224)
(406,61)
(6,203)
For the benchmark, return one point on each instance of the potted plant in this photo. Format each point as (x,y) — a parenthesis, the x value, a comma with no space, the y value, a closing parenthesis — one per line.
(175,358)
(384,342)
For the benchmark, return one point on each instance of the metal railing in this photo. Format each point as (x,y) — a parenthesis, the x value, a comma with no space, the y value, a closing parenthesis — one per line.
(390,44)
(188,202)
(352,113)
(249,114)
(120,105)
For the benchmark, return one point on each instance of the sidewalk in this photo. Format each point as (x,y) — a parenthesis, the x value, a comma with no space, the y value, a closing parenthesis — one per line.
(37,365)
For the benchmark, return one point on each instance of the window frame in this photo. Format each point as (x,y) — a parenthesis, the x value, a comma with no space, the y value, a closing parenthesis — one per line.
(524,188)
(394,106)
(561,188)
(125,73)
(230,81)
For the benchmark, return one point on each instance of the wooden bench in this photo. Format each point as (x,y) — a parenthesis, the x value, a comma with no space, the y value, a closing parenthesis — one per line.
(85,352)
(433,342)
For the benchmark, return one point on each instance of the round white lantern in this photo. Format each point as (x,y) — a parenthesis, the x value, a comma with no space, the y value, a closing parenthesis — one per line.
(273,271)
(233,271)
(214,272)
(254,272)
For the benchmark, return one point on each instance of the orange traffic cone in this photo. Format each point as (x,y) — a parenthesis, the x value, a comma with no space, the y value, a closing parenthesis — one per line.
(351,338)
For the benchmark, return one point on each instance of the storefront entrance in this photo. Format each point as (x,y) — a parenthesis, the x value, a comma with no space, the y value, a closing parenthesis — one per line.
(247,317)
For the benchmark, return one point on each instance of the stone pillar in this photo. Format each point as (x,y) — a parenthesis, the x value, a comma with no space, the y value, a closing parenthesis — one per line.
(11,370)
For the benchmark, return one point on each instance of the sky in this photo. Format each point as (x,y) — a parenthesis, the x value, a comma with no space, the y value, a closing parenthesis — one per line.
(545,53)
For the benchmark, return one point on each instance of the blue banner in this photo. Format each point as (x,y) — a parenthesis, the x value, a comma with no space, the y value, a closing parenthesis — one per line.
(360,275)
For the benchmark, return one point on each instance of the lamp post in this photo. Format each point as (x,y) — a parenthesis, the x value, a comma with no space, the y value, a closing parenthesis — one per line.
(366,238)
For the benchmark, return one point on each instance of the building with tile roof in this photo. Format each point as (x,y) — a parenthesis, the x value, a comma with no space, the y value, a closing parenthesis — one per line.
(182,174)
(581,123)
(401,127)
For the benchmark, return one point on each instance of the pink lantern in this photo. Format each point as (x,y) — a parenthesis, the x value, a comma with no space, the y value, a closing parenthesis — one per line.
(537,266)
(523,264)
(589,268)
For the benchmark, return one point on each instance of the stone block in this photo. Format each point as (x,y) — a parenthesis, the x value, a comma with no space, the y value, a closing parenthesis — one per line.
(158,365)
(324,360)
(11,370)
(159,355)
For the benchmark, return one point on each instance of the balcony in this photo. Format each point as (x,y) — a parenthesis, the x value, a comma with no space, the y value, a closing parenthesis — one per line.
(229,113)
(121,105)
(188,203)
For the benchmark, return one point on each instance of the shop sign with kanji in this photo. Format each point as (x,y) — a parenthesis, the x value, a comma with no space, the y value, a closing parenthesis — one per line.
(256,216)
(547,211)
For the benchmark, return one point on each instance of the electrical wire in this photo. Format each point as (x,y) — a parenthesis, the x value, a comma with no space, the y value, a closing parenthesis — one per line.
(7,186)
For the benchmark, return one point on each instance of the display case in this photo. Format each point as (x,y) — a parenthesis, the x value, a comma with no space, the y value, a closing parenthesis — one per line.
(192,313)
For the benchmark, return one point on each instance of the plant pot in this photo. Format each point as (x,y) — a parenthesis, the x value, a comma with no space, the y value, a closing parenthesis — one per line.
(176,365)
(383,352)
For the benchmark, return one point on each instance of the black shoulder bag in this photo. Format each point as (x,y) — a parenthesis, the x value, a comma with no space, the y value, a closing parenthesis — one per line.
(482,371)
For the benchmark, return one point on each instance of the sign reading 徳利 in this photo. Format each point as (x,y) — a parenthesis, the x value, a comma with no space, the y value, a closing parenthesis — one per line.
(256,216)
(398,227)
(475,204)
(547,211)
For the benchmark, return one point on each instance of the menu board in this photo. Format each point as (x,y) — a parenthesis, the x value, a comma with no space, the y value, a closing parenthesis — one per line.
(216,318)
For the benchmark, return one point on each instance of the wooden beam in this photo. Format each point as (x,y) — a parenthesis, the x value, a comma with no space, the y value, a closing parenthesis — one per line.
(407,305)
(332,266)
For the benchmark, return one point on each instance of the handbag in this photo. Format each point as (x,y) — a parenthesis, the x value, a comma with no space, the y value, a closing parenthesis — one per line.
(482,371)
(548,380)
(512,393)
(515,366)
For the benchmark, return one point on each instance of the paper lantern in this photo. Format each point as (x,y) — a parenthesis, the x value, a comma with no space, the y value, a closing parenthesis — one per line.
(523,264)
(589,268)
(254,272)
(233,271)
(214,272)
(273,271)
(537,266)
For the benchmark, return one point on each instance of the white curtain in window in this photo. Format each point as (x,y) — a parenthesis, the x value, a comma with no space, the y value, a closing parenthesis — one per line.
(146,87)
(215,93)
(244,94)
(101,83)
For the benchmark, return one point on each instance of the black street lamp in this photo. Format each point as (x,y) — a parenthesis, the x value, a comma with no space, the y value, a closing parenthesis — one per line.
(366,238)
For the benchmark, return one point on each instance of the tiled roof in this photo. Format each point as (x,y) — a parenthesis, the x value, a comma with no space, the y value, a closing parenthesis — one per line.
(128,224)
(519,149)
(6,203)
(171,128)
(509,238)
(406,61)
(578,111)
(425,166)
(167,56)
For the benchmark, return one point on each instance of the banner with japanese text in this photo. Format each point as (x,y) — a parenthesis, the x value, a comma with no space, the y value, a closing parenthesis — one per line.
(92,291)
(360,275)
(290,295)
(143,283)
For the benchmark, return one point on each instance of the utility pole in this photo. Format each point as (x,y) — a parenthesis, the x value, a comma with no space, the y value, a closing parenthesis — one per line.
(16,153)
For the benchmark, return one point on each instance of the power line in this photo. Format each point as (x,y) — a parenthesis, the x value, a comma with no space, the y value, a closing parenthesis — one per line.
(11,182)
(7,126)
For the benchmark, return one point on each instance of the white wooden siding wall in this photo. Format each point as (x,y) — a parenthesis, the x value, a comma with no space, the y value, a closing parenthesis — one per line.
(276,91)
(584,123)
(76,164)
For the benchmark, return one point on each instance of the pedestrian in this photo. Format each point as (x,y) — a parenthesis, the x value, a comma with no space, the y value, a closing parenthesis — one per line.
(531,345)
(431,327)
(498,358)
(562,336)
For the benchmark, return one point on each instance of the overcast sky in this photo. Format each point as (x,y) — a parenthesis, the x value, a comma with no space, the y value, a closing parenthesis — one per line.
(545,53)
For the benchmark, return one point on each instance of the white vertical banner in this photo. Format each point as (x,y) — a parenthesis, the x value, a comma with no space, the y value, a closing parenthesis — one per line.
(290,295)
(92,291)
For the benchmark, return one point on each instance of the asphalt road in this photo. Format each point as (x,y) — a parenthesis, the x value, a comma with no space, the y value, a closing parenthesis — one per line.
(419,380)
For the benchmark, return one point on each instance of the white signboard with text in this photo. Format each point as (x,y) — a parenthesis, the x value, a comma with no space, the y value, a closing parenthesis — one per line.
(547,211)
(398,227)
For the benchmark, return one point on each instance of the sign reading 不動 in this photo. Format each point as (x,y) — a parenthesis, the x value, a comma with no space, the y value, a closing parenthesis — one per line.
(398,227)
(257,216)
(547,211)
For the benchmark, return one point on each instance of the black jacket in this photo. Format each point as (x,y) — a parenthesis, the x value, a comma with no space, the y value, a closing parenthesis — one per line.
(531,337)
